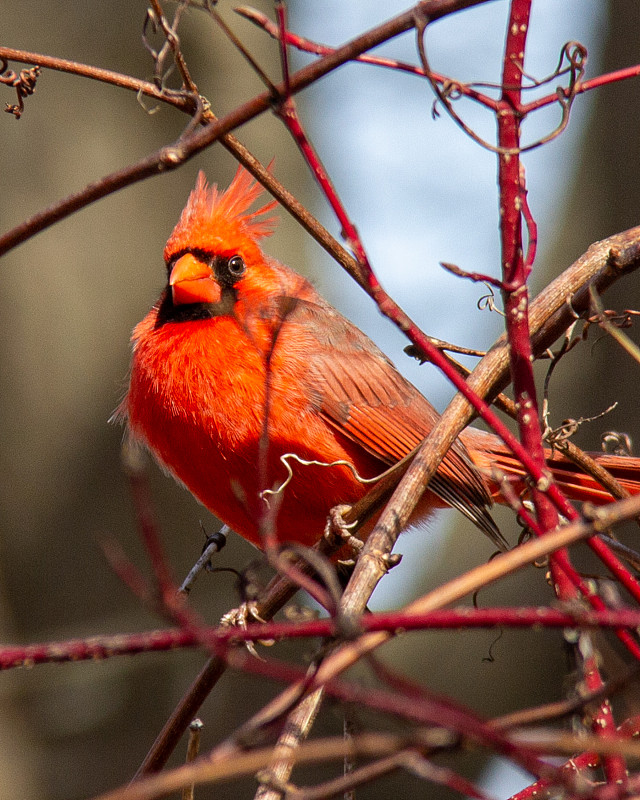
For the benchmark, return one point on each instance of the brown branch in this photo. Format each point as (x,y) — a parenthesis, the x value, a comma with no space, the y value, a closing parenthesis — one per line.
(295,732)
(222,764)
(180,100)
(187,103)
(409,760)
(550,314)
(172,156)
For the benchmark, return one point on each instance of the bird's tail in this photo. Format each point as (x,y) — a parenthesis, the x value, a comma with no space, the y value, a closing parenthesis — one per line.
(492,457)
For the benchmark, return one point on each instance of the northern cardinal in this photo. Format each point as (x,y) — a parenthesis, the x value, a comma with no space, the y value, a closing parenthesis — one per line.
(244,379)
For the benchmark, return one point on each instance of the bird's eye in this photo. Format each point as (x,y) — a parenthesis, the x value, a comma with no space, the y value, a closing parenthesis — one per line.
(236,266)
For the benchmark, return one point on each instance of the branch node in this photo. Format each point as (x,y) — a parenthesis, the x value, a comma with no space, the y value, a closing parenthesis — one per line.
(392,560)
(171,157)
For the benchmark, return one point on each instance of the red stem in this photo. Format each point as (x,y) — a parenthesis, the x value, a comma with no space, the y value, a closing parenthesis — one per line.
(594,83)
(515,274)
(108,646)
(516,299)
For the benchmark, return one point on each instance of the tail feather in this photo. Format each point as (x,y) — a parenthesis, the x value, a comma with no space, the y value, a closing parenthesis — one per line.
(490,454)
(579,486)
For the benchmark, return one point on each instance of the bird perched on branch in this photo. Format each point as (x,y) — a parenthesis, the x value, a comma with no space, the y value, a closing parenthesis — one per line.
(252,390)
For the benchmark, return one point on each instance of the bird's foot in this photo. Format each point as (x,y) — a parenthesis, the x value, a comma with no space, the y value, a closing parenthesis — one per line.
(336,526)
(242,617)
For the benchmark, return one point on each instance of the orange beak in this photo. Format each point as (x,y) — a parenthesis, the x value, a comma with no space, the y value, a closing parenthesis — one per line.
(192,281)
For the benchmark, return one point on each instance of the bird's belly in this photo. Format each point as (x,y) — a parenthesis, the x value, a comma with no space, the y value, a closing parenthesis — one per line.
(240,468)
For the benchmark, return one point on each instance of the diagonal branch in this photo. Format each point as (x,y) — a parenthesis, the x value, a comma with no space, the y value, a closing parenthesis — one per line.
(550,314)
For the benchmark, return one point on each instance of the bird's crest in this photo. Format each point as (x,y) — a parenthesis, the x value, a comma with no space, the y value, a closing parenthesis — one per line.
(215,220)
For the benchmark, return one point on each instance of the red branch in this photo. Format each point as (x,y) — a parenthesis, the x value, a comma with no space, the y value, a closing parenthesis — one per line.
(108,646)
(594,83)
(516,298)
(425,709)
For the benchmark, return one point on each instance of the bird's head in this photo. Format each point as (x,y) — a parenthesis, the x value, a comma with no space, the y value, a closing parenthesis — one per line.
(213,253)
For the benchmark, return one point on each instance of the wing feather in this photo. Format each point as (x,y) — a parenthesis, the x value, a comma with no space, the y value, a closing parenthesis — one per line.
(358,391)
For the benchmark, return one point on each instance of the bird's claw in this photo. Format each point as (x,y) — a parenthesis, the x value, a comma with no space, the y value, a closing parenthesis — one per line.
(241,617)
(336,526)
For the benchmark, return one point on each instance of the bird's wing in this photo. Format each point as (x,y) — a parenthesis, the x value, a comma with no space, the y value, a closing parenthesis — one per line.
(358,391)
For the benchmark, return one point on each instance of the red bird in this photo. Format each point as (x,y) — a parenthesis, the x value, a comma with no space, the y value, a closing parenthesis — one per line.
(245,382)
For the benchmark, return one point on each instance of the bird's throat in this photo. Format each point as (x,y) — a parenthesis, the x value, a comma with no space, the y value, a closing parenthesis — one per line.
(168,311)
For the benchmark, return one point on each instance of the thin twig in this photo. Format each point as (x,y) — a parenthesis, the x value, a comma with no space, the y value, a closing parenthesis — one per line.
(193,748)
(171,33)
(180,100)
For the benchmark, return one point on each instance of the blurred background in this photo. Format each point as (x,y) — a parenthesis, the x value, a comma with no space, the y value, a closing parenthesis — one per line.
(419,191)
